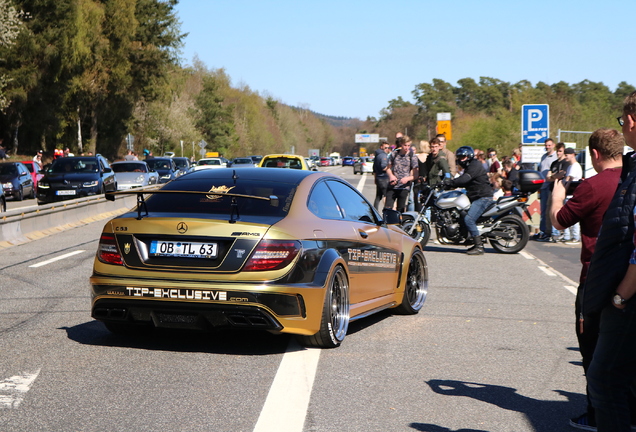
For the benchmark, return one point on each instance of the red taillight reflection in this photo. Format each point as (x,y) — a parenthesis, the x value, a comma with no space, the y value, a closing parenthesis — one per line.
(272,255)
(107,251)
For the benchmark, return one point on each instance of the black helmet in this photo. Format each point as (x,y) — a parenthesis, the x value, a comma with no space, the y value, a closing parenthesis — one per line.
(464,152)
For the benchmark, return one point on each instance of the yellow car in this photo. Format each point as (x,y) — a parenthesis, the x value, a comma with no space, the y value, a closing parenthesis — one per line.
(288,251)
(283,161)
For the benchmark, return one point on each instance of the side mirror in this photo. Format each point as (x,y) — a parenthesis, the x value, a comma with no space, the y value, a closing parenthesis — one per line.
(391,217)
(107,170)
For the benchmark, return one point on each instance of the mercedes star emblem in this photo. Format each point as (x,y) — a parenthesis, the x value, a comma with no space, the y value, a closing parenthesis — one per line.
(182,227)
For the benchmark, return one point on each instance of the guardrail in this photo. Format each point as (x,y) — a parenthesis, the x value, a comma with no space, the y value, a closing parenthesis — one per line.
(22,225)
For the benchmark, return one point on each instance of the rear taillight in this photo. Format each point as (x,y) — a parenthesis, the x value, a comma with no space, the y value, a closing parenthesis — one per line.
(107,251)
(272,255)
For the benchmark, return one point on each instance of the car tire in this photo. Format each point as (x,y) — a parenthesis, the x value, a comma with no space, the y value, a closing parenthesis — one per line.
(335,314)
(19,196)
(416,286)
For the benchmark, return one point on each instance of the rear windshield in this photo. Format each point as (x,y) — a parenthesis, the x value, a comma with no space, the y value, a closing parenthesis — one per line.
(282,162)
(217,204)
(129,167)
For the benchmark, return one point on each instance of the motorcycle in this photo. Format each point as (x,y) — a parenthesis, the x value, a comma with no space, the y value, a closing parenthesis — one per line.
(501,224)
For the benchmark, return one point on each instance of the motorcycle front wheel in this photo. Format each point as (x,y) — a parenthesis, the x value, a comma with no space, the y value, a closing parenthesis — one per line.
(515,234)
(421,232)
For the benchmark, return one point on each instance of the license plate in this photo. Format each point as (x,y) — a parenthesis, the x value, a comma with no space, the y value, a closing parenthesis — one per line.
(183,249)
(65,192)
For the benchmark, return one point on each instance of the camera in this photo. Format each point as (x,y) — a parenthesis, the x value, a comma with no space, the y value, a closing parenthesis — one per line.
(572,187)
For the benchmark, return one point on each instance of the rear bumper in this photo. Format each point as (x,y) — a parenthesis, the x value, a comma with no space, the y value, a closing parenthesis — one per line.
(281,308)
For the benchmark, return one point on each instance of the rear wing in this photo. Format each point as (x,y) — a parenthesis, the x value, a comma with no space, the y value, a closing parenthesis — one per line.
(141,199)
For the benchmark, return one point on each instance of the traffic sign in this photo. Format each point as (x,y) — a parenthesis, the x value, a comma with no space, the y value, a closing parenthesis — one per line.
(367,138)
(535,123)
(444,127)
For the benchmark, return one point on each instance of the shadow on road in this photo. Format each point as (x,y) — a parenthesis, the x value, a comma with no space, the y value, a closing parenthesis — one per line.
(232,342)
(226,341)
(543,415)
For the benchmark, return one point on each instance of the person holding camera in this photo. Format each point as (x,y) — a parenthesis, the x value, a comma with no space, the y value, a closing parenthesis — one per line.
(587,205)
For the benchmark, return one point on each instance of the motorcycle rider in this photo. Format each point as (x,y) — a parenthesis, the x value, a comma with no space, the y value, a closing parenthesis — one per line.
(479,192)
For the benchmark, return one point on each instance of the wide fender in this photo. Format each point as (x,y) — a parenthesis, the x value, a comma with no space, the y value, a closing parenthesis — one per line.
(325,267)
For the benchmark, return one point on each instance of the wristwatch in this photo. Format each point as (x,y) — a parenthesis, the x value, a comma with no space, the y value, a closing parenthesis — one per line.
(618,300)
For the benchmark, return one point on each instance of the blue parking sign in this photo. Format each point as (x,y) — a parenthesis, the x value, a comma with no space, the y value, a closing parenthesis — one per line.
(535,123)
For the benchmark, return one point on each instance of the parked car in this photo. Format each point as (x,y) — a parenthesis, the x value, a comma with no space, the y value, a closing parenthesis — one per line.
(242,163)
(183,164)
(16,180)
(256,159)
(76,177)
(208,163)
(304,253)
(326,161)
(364,164)
(284,161)
(165,167)
(133,174)
(34,169)
(3,200)
(168,154)
(347,161)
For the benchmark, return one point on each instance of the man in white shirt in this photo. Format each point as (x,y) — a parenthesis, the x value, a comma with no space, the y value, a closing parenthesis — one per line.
(572,235)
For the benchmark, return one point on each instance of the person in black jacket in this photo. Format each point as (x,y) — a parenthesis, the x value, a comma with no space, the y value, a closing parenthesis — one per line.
(380,164)
(609,292)
(478,189)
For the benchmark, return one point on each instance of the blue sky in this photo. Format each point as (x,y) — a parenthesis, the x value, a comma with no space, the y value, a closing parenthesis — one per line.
(349,58)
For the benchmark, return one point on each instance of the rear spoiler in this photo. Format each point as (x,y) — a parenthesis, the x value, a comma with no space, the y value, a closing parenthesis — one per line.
(141,199)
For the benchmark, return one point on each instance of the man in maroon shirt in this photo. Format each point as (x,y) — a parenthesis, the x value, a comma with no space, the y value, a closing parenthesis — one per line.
(587,206)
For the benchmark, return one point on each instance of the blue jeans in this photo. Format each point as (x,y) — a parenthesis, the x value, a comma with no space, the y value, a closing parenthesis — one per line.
(477,208)
(612,373)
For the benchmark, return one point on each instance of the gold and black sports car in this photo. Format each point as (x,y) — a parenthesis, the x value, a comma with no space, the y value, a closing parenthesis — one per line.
(288,251)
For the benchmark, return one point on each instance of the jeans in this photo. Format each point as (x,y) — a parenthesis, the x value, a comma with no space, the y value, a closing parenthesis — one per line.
(477,208)
(545,226)
(612,373)
(381,185)
(411,203)
(573,232)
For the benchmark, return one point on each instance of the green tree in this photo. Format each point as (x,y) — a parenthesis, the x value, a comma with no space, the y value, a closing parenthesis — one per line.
(214,120)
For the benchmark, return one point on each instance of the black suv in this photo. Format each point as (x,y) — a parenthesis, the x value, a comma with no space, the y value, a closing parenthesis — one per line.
(76,177)
(165,167)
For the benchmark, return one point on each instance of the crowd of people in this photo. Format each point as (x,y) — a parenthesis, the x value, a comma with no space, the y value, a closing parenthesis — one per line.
(599,213)
(402,171)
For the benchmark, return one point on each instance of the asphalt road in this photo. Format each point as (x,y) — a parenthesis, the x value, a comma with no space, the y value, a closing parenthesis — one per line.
(492,350)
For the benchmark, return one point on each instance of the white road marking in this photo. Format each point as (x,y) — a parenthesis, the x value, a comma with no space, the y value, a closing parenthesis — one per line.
(526,255)
(552,272)
(286,405)
(546,270)
(14,389)
(570,288)
(52,260)
(363,179)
